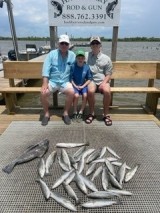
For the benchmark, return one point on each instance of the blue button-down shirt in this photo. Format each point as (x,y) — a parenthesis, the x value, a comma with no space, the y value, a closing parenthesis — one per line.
(57,68)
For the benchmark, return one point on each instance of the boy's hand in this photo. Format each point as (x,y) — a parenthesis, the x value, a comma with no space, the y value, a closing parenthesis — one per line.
(80,87)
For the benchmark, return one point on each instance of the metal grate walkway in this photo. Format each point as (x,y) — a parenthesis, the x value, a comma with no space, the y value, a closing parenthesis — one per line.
(137,142)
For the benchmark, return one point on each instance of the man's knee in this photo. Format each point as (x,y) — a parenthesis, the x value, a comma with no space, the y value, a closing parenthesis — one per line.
(69,91)
(45,95)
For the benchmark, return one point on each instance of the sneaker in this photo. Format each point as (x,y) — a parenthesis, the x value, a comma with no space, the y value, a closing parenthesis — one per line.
(79,117)
(74,117)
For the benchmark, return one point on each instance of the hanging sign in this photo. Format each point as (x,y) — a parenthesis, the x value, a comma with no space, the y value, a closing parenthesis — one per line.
(84,12)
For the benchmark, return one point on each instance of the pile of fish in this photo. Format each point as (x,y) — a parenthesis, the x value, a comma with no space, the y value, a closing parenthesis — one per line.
(83,167)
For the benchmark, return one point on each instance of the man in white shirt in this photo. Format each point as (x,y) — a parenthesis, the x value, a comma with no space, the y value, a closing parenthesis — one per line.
(56,74)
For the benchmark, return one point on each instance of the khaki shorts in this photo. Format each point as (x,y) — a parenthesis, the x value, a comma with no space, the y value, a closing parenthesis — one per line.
(53,87)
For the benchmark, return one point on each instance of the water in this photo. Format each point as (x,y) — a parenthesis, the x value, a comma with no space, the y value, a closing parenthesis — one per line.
(138,51)
(129,51)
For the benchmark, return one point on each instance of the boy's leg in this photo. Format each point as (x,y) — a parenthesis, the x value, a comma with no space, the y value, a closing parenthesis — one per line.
(75,105)
(84,101)
(75,101)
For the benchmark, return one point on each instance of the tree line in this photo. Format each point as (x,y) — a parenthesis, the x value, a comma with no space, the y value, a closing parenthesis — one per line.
(34,38)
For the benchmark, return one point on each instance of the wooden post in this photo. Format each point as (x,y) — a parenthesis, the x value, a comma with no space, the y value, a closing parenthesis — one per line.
(114,52)
(114,43)
(53,39)
(12,27)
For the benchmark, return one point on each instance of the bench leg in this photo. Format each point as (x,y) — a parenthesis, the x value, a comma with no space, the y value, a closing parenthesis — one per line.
(55,99)
(152,102)
(10,102)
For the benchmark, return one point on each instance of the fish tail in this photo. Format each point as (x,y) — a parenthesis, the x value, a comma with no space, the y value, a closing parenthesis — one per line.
(8,169)
(78,202)
(38,179)
(48,174)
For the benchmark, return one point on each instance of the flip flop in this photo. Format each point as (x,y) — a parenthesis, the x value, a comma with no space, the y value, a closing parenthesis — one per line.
(107,120)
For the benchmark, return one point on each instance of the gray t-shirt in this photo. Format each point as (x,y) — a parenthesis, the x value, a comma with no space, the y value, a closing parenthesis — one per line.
(100,65)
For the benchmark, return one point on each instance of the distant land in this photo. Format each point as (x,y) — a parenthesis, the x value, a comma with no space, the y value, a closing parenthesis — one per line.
(32,38)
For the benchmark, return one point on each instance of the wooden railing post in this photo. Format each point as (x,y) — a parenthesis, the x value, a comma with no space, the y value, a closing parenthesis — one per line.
(53,38)
(114,52)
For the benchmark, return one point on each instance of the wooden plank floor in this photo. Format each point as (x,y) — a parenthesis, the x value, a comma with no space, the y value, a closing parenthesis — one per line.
(118,114)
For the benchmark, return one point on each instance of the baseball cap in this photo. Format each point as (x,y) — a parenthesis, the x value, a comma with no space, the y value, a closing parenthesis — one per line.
(80,52)
(64,38)
(95,38)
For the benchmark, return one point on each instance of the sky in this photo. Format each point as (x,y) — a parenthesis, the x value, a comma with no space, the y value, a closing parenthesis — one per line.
(137,18)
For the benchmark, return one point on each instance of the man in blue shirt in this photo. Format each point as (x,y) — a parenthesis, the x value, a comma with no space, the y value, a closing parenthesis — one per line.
(56,73)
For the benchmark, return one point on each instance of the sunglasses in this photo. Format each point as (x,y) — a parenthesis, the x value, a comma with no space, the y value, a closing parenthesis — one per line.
(95,42)
(64,43)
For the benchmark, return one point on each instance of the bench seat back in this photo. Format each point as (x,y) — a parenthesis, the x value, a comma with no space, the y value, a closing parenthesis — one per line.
(134,70)
(22,69)
(121,70)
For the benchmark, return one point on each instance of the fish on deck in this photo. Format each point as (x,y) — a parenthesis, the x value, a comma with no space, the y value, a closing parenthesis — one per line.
(32,152)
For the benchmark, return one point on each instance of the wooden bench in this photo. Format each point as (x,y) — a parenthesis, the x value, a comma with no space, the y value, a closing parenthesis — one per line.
(131,70)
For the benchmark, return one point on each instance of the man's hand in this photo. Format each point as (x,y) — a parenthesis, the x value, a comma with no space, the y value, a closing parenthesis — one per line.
(44,87)
(101,86)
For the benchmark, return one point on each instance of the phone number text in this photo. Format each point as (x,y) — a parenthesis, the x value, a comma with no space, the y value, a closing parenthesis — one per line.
(84,16)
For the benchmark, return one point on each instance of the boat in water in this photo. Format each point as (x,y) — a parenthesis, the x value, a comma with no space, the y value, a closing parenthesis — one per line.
(29,53)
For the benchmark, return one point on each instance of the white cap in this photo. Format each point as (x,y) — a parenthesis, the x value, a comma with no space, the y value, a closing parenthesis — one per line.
(64,38)
(95,38)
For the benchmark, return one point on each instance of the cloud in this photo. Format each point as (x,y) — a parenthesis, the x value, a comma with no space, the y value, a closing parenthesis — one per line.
(137,18)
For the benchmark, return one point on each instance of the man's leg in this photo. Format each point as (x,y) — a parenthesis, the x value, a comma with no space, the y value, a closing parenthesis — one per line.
(106,102)
(106,99)
(91,97)
(69,100)
(69,92)
(45,104)
(91,102)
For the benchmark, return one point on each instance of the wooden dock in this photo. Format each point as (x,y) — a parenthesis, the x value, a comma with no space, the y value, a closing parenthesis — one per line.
(125,113)
(118,113)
